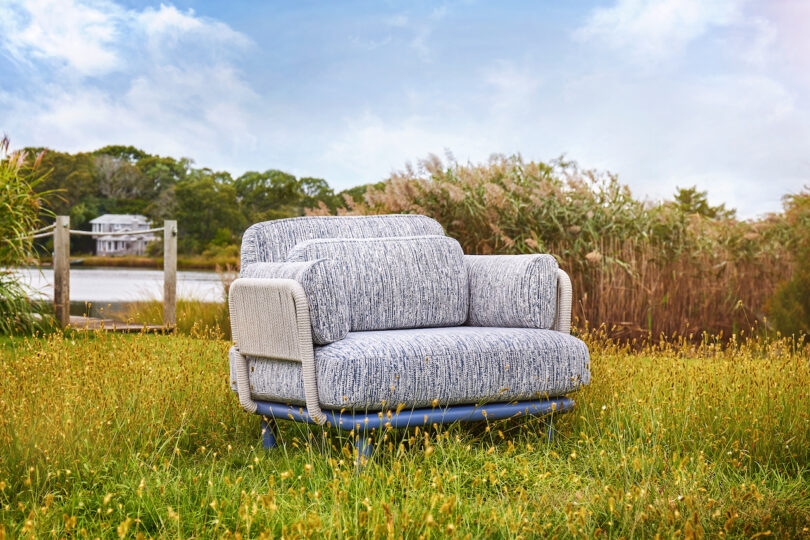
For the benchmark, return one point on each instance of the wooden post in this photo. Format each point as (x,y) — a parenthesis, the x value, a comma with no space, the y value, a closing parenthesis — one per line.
(169,274)
(61,270)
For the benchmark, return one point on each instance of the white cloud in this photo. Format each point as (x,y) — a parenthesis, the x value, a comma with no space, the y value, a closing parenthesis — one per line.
(368,148)
(424,31)
(791,17)
(79,34)
(655,29)
(514,86)
(160,79)
(168,27)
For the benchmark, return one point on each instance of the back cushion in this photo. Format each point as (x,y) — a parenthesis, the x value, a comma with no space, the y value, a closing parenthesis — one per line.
(323,283)
(411,282)
(270,241)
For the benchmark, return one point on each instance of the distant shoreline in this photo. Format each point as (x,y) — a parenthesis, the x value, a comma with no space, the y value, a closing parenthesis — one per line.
(183,263)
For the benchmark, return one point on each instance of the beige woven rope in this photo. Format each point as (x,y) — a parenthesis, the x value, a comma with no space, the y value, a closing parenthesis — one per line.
(270,319)
(564,298)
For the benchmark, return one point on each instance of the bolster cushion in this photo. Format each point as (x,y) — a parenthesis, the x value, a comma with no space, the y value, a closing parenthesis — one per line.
(517,291)
(325,288)
(406,282)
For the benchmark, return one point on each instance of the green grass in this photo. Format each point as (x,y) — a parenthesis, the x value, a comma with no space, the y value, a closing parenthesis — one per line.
(113,435)
(193,316)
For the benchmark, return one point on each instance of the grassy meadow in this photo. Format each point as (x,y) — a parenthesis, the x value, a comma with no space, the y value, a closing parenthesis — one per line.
(138,435)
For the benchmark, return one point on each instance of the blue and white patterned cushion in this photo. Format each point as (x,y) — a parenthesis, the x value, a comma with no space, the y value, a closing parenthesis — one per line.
(271,240)
(517,291)
(325,288)
(408,282)
(377,370)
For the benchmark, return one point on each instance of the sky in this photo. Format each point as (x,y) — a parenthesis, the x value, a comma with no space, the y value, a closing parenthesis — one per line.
(665,93)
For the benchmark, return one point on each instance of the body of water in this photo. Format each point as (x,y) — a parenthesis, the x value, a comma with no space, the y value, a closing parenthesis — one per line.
(125,284)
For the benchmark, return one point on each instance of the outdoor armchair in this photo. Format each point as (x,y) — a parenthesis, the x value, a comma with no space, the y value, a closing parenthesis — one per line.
(372,322)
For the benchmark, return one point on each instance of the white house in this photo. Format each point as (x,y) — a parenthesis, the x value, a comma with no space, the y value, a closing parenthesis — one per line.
(128,244)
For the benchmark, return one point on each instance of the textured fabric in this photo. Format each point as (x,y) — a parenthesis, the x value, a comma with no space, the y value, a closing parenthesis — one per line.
(382,369)
(518,291)
(271,240)
(325,288)
(409,282)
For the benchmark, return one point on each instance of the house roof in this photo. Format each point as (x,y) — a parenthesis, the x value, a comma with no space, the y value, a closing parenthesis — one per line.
(123,219)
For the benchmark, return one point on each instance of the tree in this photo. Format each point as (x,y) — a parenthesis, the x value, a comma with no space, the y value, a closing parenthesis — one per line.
(204,208)
(120,179)
(272,194)
(314,190)
(692,201)
(70,176)
(124,153)
(164,172)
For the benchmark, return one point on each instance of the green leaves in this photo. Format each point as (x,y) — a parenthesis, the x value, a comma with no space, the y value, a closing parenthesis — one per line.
(20,208)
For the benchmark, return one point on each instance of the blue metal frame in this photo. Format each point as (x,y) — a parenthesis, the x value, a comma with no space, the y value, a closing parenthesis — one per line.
(362,423)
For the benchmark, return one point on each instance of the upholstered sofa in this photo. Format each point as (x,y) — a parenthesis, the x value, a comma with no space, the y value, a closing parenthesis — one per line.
(370,322)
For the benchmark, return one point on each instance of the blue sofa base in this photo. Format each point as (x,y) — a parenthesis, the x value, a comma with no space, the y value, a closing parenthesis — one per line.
(364,423)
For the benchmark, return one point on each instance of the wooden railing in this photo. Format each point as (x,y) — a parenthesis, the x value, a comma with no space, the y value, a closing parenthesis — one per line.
(61,265)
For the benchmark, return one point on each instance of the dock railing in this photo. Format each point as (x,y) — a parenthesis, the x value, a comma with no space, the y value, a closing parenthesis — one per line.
(61,231)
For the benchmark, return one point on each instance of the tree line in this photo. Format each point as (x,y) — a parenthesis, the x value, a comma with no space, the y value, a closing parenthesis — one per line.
(212,207)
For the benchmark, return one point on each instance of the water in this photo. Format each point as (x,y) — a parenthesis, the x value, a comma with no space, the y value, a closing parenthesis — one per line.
(124,284)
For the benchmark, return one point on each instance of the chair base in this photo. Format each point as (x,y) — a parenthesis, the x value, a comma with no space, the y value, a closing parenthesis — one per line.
(364,423)
(268,434)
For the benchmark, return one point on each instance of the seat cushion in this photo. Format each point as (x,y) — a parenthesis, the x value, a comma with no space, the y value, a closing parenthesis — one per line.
(458,365)
(324,285)
(270,241)
(409,282)
(518,291)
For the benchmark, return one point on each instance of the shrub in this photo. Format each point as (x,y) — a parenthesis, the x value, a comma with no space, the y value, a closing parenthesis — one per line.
(154,248)
(790,308)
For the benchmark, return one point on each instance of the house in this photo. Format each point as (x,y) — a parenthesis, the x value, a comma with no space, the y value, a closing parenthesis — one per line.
(128,244)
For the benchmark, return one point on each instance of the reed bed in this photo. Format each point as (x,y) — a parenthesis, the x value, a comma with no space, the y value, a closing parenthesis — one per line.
(638,267)
(105,435)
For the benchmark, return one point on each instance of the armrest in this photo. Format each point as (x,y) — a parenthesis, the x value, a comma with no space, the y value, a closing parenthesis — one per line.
(270,319)
(325,289)
(518,291)
(562,321)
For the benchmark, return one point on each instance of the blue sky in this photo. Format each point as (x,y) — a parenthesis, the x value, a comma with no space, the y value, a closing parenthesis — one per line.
(666,93)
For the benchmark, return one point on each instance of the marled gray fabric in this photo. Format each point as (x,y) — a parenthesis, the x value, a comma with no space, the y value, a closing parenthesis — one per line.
(407,282)
(271,240)
(375,370)
(518,291)
(325,288)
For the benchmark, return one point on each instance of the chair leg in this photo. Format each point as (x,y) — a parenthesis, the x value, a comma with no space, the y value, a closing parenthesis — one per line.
(549,425)
(364,449)
(268,434)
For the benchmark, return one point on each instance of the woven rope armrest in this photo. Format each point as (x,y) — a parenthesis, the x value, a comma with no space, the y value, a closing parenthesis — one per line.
(562,321)
(270,319)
